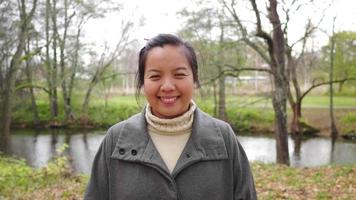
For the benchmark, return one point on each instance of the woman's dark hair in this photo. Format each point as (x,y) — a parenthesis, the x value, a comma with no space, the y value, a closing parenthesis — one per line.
(159,41)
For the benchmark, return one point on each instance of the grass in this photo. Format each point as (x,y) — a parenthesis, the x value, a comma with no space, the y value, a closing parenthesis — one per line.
(56,181)
(308,101)
(323,101)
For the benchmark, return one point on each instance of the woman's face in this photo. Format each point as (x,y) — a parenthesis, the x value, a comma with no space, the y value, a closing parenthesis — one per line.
(168,81)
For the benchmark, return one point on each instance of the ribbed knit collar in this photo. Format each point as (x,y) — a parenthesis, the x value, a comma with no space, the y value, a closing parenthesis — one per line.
(175,126)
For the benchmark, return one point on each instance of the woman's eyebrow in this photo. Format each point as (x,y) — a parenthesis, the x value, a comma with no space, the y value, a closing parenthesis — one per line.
(153,70)
(181,68)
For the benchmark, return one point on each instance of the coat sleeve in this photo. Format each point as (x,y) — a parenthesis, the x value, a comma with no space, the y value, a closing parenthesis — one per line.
(98,186)
(244,186)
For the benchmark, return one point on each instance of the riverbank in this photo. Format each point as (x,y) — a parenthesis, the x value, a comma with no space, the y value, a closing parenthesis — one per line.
(247,115)
(56,181)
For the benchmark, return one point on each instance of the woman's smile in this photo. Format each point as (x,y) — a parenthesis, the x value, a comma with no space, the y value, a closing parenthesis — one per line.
(168,100)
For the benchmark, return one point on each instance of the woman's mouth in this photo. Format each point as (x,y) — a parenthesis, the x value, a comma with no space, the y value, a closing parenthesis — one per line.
(168,100)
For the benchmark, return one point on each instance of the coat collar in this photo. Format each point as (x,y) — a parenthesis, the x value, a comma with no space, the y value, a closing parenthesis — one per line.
(205,143)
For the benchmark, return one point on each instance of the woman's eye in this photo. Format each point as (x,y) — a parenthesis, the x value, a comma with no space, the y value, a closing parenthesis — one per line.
(154,77)
(180,75)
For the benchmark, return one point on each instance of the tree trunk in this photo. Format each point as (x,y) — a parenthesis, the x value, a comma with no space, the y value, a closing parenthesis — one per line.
(222,103)
(25,19)
(276,60)
(62,45)
(295,104)
(48,61)
(296,128)
(87,97)
(281,131)
(28,71)
(95,80)
(54,71)
(215,99)
(75,63)
(334,132)
(279,99)
(6,107)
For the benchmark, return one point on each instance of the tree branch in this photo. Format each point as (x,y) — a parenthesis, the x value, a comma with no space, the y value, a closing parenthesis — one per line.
(326,83)
(242,29)
(30,85)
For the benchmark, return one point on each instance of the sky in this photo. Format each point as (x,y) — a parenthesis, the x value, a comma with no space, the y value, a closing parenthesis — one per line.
(161,17)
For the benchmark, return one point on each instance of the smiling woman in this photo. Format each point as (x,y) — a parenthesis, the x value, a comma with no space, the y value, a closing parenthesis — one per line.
(171,150)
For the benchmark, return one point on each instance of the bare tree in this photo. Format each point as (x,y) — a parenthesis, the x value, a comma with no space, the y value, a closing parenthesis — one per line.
(295,93)
(334,132)
(275,57)
(105,62)
(214,51)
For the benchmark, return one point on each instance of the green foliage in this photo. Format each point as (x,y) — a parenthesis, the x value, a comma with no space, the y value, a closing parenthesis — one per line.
(246,120)
(14,174)
(349,118)
(344,60)
(345,51)
(112,113)
(19,181)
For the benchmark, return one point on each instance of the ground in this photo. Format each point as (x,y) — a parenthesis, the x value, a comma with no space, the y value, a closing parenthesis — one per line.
(319,118)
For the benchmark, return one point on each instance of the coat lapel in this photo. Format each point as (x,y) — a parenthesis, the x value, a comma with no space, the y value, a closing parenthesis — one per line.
(205,143)
(135,145)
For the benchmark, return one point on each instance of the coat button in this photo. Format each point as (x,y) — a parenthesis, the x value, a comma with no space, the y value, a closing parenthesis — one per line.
(187,155)
(121,151)
(134,152)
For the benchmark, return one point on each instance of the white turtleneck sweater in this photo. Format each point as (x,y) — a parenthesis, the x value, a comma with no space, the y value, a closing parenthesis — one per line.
(170,135)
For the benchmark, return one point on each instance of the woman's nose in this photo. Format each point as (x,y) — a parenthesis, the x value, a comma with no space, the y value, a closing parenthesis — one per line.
(167,85)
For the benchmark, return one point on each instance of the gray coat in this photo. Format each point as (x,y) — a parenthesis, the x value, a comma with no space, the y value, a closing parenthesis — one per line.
(212,166)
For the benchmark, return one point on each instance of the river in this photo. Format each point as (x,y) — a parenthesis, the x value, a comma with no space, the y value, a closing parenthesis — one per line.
(38,147)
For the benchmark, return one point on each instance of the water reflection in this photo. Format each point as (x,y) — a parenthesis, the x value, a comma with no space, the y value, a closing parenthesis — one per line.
(303,153)
(37,148)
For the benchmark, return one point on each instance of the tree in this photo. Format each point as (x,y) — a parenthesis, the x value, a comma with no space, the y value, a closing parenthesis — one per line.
(208,30)
(64,22)
(29,71)
(294,63)
(104,62)
(344,57)
(339,57)
(24,22)
(275,57)
(75,15)
(334,132)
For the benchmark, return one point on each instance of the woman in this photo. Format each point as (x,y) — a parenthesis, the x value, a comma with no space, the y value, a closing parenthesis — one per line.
(171,150)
